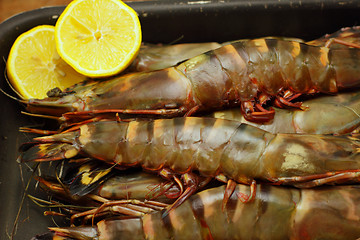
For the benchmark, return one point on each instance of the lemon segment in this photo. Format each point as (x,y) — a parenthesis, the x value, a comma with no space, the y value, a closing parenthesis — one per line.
(98,38)
(34,66)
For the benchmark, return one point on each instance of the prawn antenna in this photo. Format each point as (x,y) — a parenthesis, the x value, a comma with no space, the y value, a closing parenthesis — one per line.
(16,221)
(39,115)
(12,97)
(176,40)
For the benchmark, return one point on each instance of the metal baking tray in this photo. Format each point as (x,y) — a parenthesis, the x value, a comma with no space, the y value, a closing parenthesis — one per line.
(165,21)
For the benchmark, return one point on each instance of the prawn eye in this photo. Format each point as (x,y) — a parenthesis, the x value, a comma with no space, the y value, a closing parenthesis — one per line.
(55,92)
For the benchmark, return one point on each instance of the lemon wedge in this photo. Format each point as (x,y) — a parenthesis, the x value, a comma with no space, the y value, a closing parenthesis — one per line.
(98,38)
(34,66)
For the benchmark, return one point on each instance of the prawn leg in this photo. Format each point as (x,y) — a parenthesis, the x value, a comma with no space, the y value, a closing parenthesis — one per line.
(132,208)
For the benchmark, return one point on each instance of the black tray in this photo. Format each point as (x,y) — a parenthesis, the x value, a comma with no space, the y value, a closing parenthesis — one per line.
(166,22)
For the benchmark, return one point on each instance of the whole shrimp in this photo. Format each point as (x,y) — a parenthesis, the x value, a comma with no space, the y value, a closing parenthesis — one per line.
(119,188)
(92,178)
(82,191)
(227,150)
(247,73)
(276,213)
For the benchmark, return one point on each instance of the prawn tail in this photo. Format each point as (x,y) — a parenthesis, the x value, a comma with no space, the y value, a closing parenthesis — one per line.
(48,236)
(47,152)
(86,177)
(74,233)
(50,148)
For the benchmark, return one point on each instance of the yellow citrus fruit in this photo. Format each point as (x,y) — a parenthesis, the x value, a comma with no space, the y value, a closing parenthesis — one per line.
(98,38)
(34,66)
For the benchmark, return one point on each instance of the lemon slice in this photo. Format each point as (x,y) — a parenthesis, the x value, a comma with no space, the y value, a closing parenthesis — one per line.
(98,38)
(34,66)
